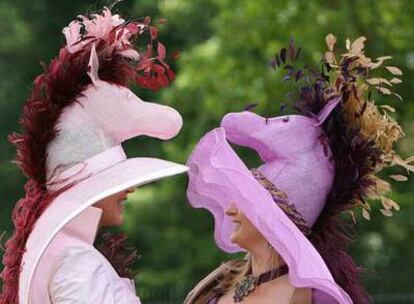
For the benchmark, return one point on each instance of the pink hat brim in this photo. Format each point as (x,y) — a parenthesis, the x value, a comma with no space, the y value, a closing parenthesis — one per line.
(218,177)
(123,175)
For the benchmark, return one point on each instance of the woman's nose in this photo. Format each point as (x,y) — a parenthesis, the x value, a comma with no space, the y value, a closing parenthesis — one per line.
(232,210)
(130,190)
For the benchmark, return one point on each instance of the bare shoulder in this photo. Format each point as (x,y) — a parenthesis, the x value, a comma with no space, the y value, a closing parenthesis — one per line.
(298,295)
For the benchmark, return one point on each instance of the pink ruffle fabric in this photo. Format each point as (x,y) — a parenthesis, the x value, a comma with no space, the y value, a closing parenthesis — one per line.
(218,177)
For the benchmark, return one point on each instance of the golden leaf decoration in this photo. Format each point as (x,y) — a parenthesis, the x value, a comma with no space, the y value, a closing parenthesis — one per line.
(397,95)
(389,204)
(399,178)
(395,80)
(410,159)
(348,44)
(358,45)
(378,81)
(384,91)
(352,77)
(386,212)
(394,70)
(383,58)
(388,108)
(330,41)
(365,214)
(397,160)
(353,217)
(330,58)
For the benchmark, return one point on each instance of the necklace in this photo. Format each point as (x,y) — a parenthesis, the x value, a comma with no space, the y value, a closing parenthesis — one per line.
(249,283)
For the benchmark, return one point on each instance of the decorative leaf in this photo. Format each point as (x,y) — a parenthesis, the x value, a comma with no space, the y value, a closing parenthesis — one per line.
(365,214)
(384,91)
(388,108)
(395,80)
(330,58)
(348,44)
(394,70)
(330,42)
(396,159)
(398,96)
(385,204)
(389,204)
(384,58)
(283,55)
(386,212)
(353,217)
(277,59)
(378,81)
(147,20)
(399,177)
(358,45)
(153,33)
(161,50)
(250,106)
(410,159)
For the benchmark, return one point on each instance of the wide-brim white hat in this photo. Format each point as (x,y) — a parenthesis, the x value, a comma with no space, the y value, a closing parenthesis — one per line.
(120,174)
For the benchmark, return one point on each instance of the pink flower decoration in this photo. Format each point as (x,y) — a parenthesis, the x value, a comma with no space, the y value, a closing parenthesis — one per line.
(105,26)
(113,36)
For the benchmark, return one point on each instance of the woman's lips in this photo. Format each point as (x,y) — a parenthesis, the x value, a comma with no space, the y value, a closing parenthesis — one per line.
(122,202)
(237,225)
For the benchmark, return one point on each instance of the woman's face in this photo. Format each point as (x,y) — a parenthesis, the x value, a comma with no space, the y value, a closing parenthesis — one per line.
(244,234)
(113,208)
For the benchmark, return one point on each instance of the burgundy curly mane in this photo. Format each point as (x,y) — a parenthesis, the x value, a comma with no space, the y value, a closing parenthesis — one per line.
(61,84)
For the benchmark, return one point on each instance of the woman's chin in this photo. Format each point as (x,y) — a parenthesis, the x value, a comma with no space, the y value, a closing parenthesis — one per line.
(117,220)
(235,238)
(120,220)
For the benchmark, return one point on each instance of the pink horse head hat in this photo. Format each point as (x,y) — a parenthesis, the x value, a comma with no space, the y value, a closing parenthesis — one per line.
(294,154)
(105,116)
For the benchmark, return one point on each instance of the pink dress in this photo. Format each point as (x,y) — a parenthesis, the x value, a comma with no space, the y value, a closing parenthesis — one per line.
(72,271)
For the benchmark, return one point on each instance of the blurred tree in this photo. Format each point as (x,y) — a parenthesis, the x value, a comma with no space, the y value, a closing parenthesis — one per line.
(225,46)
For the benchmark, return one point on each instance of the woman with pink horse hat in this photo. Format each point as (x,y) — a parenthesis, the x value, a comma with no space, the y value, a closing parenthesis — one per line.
(292,214)
(79,113)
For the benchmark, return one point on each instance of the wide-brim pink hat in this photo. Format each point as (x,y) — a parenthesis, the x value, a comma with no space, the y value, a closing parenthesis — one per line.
(218,177)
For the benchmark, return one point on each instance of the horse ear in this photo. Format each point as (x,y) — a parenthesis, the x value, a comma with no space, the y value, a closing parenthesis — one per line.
(93,66)
(327,109)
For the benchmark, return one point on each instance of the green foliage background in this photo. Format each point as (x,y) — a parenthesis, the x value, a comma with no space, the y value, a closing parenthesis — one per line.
(225,46)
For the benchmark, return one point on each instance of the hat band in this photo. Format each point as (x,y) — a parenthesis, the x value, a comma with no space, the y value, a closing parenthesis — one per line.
(280,198)
(87,168)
